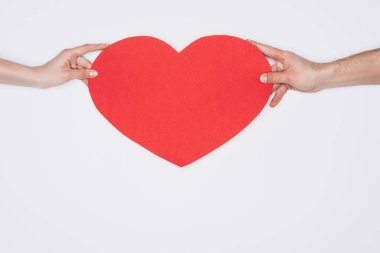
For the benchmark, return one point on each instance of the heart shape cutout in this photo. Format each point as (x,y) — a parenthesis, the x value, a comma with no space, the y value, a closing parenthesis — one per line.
(180,105)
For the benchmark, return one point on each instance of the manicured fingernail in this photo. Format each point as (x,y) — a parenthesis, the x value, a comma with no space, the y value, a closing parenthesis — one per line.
(93,73)
(264,78)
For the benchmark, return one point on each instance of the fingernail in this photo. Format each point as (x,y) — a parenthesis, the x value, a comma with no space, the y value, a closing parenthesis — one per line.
(93,73)
(264,78)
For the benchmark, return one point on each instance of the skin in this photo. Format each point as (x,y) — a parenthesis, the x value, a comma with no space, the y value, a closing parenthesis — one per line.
(292,72)
(67,65)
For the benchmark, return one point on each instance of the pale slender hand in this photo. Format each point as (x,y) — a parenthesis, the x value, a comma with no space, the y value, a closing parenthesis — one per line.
(67,65)
(292,72)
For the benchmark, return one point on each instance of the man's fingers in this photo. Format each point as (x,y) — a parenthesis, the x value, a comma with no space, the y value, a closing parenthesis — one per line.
(275,77)
(275,87)
(269,51)
(275,68)
(84,63)
(278,96)
(82,74)
(88,48)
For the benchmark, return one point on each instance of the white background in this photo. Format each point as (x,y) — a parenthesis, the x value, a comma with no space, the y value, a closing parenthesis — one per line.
(304,177)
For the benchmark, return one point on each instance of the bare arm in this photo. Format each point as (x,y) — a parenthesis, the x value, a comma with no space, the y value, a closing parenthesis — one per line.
(67,65)
(363,68)
(13,73)
(292,72)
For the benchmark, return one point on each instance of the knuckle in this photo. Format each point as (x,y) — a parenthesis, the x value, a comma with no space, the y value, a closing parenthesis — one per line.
(289,54)
(65,51)
(282,53)
(86,46)
(83,75)
(286,54)
(277,78)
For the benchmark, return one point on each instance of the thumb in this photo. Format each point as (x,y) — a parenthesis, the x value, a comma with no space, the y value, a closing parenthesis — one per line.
(82,74)
(275,77)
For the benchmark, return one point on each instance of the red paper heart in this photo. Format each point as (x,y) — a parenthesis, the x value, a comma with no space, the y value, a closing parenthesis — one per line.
(180,106)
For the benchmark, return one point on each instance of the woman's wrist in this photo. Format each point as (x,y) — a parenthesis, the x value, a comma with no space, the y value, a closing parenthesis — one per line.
(13,73)
(34,77)
(41,78)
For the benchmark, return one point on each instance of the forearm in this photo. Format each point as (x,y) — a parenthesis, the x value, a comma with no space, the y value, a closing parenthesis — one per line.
(13,73)
(363,68)
(292,72)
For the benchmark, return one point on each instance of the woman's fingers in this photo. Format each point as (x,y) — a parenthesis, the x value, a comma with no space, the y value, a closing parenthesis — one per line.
(81,50)
(89,48)
(84,63)
(73,65)
(81,74)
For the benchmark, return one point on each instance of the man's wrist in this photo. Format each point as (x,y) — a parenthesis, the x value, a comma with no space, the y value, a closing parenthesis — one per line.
(325,75)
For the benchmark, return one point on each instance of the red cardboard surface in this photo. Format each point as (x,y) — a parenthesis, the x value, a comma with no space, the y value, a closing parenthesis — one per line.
(180,106)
